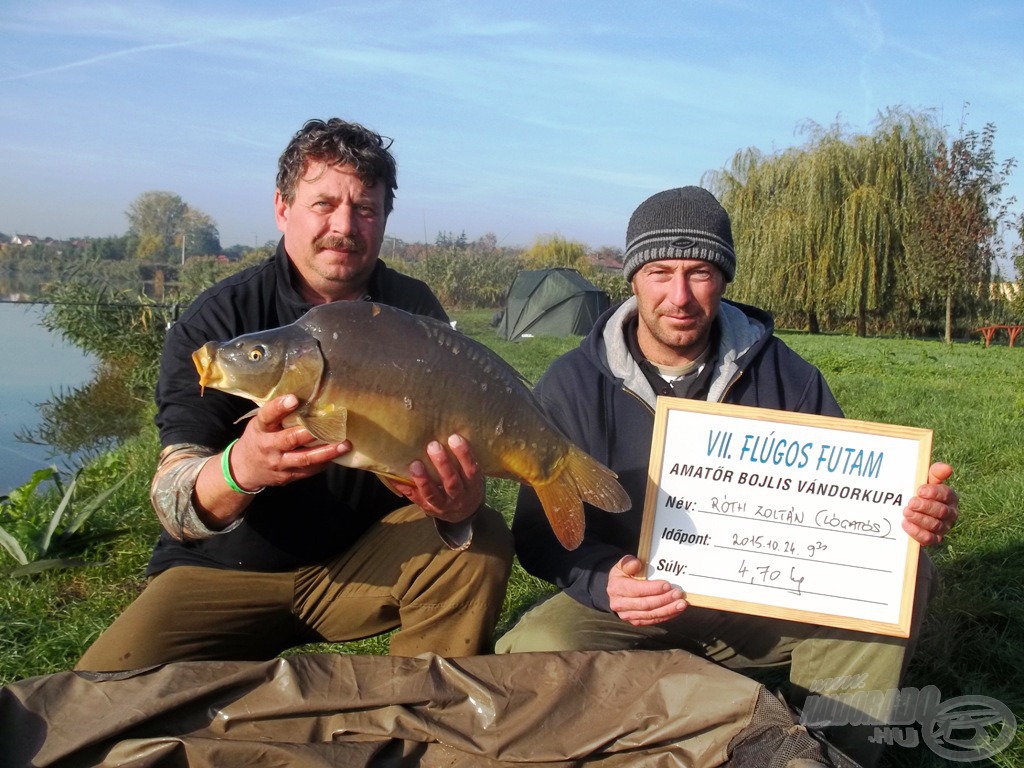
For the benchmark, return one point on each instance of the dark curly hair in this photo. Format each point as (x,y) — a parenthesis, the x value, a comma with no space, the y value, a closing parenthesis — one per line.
(337,142)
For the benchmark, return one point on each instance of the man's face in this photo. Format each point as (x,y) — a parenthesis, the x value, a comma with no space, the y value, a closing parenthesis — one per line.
(333,231)
(678,301)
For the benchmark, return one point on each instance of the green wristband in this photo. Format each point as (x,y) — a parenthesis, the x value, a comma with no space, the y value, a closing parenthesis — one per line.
(225,468)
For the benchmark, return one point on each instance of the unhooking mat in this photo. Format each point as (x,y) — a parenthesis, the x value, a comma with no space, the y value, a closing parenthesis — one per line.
(609,709)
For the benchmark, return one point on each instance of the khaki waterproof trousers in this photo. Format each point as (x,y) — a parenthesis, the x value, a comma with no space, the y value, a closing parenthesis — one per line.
(399,575)
(826,664)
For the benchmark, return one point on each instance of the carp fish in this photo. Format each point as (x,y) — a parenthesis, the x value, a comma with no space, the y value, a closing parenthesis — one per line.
(390,382)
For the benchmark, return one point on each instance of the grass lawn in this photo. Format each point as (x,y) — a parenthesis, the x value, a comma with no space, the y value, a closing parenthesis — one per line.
(971,396)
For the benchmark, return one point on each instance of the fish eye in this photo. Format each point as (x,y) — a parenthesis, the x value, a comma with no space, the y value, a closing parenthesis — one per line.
(256,354)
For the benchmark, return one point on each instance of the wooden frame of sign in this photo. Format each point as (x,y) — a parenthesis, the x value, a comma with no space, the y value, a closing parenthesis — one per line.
(784,514)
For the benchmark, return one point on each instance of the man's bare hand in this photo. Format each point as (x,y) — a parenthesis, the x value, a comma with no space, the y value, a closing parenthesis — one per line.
(639,601)
(930,514)
(460,491)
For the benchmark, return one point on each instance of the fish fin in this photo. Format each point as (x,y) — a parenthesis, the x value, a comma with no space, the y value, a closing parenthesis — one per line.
(245,416)
(564,509)
(389,482)
(597,484)
(330,425)
(579,478)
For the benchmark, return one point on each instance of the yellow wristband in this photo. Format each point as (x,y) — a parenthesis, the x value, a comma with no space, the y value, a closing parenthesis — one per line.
(225,468)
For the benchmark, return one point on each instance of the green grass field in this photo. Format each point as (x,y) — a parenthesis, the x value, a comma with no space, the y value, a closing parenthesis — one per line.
(972,397)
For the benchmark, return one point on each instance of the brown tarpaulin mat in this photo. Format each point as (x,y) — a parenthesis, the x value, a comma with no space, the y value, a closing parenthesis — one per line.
(626,708)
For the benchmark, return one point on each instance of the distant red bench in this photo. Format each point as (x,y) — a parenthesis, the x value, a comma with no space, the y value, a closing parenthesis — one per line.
(989,331)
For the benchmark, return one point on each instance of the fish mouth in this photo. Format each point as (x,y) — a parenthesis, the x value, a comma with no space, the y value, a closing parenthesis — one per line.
(202,358)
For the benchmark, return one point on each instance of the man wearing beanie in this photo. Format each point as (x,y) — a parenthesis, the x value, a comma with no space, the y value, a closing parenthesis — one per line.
(677,336)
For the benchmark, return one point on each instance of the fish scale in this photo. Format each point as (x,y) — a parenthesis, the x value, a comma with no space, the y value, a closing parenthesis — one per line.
(390,382)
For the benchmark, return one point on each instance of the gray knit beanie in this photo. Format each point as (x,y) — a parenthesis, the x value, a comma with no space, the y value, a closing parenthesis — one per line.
(683,223)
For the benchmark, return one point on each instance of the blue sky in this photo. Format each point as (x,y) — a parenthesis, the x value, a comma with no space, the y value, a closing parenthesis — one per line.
(521,119)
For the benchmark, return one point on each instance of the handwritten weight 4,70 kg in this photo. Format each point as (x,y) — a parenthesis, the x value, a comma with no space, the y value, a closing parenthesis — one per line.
(767,575)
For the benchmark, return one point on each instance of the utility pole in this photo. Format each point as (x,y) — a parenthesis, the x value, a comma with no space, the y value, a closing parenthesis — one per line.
(184,236)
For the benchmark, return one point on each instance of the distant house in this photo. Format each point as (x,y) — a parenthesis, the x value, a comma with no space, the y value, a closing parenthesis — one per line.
(608,258)
(24,240)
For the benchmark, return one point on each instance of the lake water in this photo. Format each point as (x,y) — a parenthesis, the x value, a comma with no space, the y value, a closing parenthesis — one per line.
(34,364)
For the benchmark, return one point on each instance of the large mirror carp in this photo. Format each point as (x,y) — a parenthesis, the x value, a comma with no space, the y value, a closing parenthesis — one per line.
(390,382)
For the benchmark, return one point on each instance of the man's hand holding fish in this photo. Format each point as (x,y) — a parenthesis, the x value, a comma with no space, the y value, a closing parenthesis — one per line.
(271,453)
(279,526)
(462,488)
(267,453)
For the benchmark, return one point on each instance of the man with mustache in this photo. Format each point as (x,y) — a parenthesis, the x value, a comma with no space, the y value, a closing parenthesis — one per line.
(267,543)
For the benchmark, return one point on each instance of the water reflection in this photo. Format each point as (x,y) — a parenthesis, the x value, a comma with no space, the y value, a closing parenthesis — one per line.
(122,324)
(88,420)
(58,406)
(20,287)
(36,364)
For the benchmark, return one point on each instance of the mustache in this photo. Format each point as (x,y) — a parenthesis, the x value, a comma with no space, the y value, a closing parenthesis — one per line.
(341,242)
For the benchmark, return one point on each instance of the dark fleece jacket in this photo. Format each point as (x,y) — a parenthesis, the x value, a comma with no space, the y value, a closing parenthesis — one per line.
(602,401)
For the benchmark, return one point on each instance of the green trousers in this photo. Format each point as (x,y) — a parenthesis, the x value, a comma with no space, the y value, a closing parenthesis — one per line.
(825,662)
(398,575)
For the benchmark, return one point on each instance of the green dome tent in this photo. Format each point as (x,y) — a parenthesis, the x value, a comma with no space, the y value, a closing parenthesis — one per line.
(551,302)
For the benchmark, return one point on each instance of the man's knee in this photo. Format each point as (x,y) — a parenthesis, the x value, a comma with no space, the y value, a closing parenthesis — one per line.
(532,637)
(559,623)
(489,556)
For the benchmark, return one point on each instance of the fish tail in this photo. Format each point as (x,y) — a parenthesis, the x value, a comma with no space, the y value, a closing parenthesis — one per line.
(579,478)
(597,484)
(564,509)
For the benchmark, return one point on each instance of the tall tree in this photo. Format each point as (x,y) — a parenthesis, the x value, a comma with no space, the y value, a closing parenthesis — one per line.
(199,235)
(157,219)
(890,172)
(1017,291)
(819,228)
(782,208)
(958,224)
(166,226)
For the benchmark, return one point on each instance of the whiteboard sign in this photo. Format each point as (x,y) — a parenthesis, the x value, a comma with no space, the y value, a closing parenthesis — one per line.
(783,514)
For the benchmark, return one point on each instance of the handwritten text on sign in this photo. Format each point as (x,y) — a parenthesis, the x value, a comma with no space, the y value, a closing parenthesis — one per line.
(784,514)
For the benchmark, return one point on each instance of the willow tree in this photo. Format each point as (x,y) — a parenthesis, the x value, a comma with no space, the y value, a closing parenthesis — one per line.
(890,174)
(819,229)
(556,251)
(784,210)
